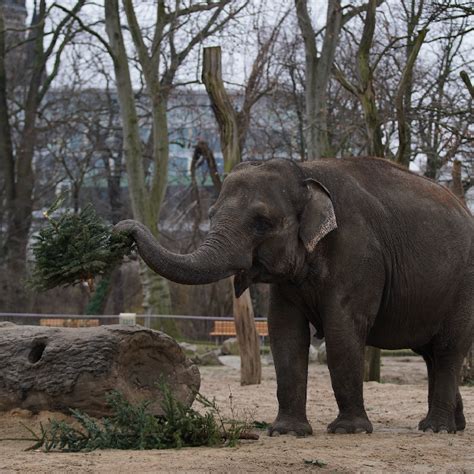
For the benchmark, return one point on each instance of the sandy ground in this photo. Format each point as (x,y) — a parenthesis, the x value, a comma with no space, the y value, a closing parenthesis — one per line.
(394,406)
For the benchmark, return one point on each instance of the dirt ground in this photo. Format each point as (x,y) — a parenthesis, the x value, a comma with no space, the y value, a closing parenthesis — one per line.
(394,406)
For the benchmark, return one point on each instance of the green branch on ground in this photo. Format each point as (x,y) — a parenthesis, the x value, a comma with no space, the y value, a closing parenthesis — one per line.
(132,426)
(75,248)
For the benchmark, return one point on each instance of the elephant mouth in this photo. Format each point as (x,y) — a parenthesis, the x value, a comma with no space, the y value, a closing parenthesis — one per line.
(256,274)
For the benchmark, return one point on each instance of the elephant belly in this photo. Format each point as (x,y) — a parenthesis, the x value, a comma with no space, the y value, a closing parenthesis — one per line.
(395,331)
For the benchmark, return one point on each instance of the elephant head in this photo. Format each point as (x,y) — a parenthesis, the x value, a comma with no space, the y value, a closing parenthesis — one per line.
(268,218)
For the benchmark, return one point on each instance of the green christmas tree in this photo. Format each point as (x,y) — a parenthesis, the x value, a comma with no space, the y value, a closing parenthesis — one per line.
(73,248)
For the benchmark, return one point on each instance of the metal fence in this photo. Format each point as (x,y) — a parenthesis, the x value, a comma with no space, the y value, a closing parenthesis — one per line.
(210,329)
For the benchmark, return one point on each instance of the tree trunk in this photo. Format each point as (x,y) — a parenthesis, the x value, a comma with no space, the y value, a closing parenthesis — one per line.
(403,99)
(156,298)
(372,364)
(222,107)
(456,176)
(226,117)
(202,150)
(318,71)
(60,368)
(7,161)
(366,84)
(467,371)
(433,164)
(247,337)
(21,178)
(145,204)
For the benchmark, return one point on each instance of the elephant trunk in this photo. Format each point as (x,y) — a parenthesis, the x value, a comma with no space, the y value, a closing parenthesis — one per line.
(212,261)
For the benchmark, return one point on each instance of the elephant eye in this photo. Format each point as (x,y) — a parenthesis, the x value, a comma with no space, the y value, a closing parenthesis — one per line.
(262,224)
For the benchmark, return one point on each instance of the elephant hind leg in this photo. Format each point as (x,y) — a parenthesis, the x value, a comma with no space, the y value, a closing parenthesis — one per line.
(445,395)
(459,419)
(449,347)
(459,413)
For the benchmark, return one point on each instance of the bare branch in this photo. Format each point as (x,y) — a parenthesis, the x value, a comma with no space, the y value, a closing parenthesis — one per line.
(467,81)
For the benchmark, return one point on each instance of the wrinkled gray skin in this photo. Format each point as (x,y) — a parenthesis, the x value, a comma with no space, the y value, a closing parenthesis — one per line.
(365,251)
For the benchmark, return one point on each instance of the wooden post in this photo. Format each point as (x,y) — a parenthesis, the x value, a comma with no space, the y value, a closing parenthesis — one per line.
(247,337)
(372,364)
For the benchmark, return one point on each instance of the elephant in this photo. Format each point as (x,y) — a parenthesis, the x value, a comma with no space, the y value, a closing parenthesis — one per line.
(366,251)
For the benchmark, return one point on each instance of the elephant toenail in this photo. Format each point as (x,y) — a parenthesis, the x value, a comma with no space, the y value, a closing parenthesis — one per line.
(275,434)
(293,433)
(340,431)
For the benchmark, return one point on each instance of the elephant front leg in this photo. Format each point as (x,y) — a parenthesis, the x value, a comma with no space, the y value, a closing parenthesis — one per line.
(345,355)
(289,340)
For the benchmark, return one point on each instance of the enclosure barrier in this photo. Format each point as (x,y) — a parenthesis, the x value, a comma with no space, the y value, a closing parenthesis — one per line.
(191,328)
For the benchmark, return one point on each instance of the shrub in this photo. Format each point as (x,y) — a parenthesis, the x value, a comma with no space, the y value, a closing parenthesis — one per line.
(132,426)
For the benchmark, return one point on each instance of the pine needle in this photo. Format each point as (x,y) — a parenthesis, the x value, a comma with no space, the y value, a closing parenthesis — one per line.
(132,426)
(75,248)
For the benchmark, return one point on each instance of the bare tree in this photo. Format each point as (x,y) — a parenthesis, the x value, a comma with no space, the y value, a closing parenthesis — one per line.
(403,101)
(318,70)
(40,47)
(159,61)
(443,112)
(363,89)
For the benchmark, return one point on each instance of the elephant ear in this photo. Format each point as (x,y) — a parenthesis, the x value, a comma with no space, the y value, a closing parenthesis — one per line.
(318,217)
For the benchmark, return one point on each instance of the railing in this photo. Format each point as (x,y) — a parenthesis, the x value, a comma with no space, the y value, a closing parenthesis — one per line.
(184,327)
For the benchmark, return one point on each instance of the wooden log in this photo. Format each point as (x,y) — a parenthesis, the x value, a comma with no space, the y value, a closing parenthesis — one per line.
(43,368)
(247,337)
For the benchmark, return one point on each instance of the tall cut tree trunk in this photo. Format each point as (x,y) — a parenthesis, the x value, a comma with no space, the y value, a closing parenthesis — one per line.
(224,111)
(226,117)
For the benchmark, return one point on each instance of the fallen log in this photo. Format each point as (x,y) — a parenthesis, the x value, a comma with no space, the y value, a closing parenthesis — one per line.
(43,368)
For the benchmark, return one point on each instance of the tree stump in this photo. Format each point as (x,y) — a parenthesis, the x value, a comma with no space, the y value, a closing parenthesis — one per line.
(372,364)
(56,369)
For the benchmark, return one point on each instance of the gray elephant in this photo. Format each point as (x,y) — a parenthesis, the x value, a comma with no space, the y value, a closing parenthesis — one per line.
(366,251)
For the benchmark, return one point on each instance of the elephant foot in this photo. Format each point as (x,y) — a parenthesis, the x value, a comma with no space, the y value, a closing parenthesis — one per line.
(460,421)
(440,424)
(344,424)
(290,425)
